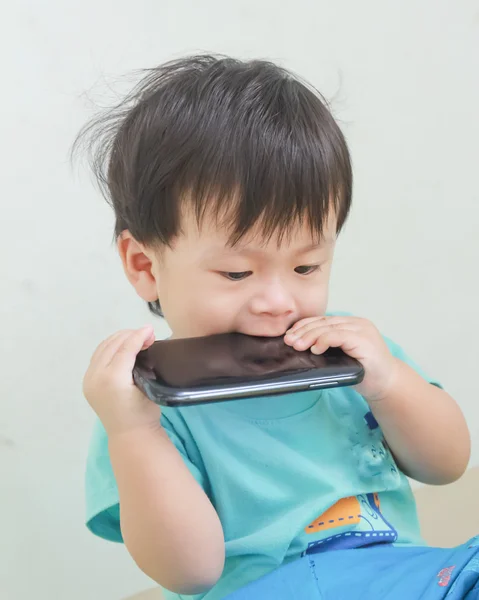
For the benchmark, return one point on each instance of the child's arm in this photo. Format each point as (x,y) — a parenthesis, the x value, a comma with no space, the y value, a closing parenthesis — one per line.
(168,524)
(422,424)
(424,428)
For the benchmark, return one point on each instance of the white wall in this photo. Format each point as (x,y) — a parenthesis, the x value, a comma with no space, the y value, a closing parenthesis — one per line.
(404,77)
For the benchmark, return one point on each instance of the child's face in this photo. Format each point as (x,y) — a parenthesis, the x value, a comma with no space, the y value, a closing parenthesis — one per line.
(256,288)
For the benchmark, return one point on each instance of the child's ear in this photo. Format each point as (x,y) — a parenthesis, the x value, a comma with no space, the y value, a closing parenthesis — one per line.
(137,266)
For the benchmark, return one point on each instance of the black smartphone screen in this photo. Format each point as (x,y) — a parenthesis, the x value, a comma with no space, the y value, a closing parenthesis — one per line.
(233,365)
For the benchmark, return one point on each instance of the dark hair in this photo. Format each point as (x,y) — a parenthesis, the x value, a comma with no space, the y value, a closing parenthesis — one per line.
(247,142)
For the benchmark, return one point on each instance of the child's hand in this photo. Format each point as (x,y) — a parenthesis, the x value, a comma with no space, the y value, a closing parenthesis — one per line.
(108,384)
(359,339)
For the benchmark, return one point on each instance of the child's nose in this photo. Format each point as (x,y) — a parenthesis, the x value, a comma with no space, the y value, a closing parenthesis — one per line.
(273,299)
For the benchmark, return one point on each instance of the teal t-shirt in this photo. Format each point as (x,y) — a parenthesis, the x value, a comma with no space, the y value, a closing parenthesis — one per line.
(287,475)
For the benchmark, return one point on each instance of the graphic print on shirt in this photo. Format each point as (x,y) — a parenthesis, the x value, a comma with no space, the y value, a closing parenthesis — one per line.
(363,512)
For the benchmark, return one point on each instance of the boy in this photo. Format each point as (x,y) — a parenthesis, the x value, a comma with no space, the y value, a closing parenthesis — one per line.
(230,182)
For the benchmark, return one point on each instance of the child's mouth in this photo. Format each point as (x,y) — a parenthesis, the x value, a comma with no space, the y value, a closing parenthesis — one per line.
(269,330)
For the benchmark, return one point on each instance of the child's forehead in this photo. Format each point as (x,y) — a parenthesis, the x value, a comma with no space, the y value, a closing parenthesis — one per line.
(215,237)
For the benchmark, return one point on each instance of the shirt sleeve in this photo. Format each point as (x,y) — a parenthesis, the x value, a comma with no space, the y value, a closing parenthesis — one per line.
(101,492)
(398,352)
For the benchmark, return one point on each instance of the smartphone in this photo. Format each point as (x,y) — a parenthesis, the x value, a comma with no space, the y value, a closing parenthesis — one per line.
(229,366)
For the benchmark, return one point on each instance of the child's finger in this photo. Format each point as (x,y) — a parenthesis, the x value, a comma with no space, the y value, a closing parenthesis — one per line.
(109,347)
(125,355)
(307,335)
(103,352)
(300,330)
(303,322)
(149,341)
(309,338)
(345,339)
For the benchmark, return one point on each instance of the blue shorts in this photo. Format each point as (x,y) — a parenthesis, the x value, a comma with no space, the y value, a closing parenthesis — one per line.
(381,572)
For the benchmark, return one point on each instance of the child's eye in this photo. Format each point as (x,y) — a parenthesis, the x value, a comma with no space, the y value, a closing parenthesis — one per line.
(236,276)
(307,269)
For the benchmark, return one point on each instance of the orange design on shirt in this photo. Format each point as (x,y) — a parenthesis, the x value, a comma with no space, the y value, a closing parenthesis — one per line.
(346,510)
